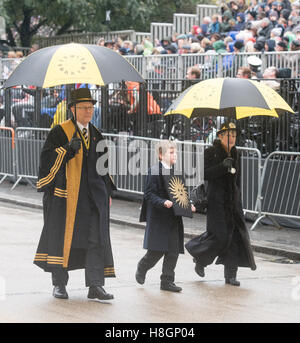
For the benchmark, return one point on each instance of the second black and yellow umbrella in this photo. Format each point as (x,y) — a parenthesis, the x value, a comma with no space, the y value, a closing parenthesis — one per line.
(72,63)
(230,97)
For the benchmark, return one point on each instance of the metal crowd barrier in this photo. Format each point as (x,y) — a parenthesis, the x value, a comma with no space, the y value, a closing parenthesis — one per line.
(183,22)
(7,153)
(280,187)
(251,166)
(29,143)
(211,64)
(206,11)
(131,157)
(268,189)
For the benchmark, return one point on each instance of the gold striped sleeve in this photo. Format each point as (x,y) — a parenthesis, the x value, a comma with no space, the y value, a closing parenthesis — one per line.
(109,271)
(61,152)
(60,192)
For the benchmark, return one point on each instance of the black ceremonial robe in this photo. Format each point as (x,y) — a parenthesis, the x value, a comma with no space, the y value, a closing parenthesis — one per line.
(71,187)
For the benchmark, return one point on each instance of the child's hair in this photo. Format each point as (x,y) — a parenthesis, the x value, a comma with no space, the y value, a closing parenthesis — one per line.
(163,146)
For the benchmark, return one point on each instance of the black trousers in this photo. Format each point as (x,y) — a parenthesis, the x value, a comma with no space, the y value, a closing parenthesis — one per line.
(169,263)
(94,261)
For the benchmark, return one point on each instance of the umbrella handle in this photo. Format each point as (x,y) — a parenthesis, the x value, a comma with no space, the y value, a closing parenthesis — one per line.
(79,133)
(75,124)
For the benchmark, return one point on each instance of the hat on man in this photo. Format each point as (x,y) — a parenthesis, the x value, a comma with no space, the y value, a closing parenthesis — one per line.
(227,126)
(186,47)
(282,44)
(171,48)
(254,61)
(80,95)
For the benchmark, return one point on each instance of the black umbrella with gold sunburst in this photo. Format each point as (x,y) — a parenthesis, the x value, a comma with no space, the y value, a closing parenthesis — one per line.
(72,63)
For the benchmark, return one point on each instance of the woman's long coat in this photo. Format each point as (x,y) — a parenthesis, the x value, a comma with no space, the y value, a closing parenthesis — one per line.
(226,227)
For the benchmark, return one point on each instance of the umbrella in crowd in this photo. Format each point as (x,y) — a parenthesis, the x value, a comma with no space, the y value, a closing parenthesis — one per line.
(72,63)
(230,97)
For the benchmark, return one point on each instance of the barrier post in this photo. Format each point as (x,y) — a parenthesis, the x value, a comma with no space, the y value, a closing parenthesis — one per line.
(7,152)
(280,187)
(29,143)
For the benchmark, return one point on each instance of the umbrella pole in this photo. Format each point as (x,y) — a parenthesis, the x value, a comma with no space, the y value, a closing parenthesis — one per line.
(79,132)
(75,123)
(228,143)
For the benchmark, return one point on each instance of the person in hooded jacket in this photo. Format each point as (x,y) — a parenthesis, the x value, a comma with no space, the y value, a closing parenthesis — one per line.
(240,22)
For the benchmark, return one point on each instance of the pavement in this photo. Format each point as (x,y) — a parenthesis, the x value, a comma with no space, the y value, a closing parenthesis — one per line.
(270,294)
(283,244)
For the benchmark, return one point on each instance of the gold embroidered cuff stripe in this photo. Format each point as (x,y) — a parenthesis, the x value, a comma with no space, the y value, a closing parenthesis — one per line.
(60,192)
(47,179)
(48,259)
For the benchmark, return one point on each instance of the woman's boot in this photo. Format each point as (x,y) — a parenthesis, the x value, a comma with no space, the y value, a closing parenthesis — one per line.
(230,275)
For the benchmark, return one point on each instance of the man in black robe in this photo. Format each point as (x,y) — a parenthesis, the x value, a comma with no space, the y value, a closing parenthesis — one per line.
(76,202)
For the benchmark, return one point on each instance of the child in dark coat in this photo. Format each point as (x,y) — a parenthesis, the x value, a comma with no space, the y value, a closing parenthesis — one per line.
(164,230)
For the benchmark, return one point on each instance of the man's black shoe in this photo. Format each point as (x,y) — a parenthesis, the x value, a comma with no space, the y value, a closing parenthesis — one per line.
(232,281)
(98,292)
(60,292)
(140,277)
(199,270)
(170,286)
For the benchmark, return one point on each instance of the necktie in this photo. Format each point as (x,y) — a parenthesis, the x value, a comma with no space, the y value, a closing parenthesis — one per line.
(85,136)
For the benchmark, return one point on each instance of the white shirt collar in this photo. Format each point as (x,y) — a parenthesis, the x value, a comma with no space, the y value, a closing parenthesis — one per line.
(81,126)
(165,165)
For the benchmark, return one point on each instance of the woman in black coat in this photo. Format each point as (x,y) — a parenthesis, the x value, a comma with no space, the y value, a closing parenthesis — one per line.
(226,236)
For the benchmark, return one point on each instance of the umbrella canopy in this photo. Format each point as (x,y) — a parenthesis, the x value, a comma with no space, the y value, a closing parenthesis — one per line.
(230,97)
(72,63)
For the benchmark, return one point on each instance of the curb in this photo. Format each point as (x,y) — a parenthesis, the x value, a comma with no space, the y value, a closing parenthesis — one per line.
(260,248)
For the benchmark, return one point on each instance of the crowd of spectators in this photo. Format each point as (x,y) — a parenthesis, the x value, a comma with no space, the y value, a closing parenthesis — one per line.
(262,26)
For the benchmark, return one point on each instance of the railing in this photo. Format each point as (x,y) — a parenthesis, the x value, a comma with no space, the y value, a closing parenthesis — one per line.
(211,65)
(132,156)
(161,30)
(147,119)
(92,37)
(251,164)
(7,153)
(274,192)
(29,143)
(280,187)
(183,22)
(206,11)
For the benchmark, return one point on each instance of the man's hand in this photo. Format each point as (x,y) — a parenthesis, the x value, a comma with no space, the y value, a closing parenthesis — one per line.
(75,144)
(168,204)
